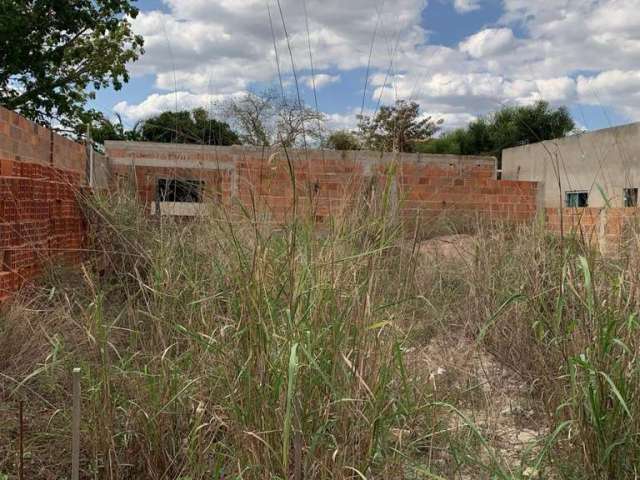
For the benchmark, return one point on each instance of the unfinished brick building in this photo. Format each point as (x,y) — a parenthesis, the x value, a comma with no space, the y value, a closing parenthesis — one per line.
(589,182)
(43,177)
(177,178)
(40,218)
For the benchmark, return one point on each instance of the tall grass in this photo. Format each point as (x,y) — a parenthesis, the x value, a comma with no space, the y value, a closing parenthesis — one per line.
(229,348)
(569,326)
(223,348)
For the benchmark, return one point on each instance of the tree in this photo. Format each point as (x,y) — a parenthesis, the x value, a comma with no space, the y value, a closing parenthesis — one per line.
(266,119)
(54,55)
(104,129)
(298,125)
(513,126)
(252,114)
(447,143)
(343,140)
(195,127)
(396,128)
(508,127)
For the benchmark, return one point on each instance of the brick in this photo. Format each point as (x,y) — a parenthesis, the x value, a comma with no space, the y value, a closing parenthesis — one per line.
(41,205)
(28,189)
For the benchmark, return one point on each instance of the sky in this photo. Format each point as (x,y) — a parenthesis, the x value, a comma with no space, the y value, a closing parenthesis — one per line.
(459,59)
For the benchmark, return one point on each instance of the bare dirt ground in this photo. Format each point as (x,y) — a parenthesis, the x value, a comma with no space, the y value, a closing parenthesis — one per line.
(490,396)
(449,247)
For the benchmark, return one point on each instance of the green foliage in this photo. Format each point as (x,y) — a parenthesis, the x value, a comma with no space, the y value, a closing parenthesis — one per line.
(575,333)
(506,128)
(396,128)
(447,143)
(187,127)
(55,54)
(513,126)
(195,127)
(605,377)
(343,140)
(105,129)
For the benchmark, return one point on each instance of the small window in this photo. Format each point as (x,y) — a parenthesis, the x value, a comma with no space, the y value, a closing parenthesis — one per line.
(577,199)
(630,197)
(174,190)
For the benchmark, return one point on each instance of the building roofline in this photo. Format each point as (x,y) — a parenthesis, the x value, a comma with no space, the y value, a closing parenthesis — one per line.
(601,131)
(240,149)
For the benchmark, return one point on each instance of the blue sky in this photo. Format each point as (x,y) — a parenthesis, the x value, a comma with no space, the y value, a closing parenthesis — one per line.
(459,59)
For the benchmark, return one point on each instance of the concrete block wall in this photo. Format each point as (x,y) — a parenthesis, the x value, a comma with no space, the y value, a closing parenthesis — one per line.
(40,217)
(101,172)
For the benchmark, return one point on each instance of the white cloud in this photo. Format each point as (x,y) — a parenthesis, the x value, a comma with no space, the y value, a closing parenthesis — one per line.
(466,6)
(320,80)
(614,82)
(568,35)
(561,89)
(155,104)
(613,87)
(599,36)
(339,121)
(491,41)
(224,45)
(451,121)
(565,51)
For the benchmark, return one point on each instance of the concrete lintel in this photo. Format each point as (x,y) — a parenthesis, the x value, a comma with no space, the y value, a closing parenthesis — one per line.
(186,164)
(168,147)
(240,152)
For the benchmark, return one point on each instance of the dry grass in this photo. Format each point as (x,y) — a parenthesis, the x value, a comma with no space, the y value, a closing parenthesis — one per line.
(223,348)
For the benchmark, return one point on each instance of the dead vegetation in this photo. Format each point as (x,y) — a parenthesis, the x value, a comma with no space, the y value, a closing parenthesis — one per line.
(224,349)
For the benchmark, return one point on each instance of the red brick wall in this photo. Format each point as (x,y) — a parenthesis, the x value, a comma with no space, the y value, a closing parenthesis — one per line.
(605,228)
(435,189)
(217,183)
(324,180)
(253,177)
(40,218)
(323,183)
(25,141)
(581,221)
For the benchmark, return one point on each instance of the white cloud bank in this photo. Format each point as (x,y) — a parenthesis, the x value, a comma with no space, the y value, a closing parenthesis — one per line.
(156,103)
(491,41)
(566,51)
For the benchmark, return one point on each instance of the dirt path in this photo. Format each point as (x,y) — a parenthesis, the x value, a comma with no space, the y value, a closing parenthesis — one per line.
(491,397)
